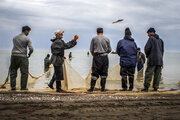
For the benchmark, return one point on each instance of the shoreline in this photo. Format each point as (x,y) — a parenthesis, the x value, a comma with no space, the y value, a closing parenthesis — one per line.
(84,106)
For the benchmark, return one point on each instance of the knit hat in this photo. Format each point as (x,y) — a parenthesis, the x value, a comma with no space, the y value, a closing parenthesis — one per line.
(99,30)
(151,30)
(128,32)
(25,28)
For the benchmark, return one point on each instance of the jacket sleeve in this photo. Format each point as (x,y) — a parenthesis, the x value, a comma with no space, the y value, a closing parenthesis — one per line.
(30,47)
(118,48)
(69,45)
(135,46)
(143,57)
(109,46)
(162,47)
(92,47)
(148,47)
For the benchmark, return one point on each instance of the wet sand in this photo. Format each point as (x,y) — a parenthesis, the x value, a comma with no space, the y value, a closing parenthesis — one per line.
(114,105)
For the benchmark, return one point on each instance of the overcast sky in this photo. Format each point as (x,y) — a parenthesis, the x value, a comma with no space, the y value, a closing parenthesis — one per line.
(82,17)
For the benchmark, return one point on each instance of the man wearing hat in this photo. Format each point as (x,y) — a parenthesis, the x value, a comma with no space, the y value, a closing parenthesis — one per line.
(19,58)
(57,59)
(127,50)
(154,50)
(100,48)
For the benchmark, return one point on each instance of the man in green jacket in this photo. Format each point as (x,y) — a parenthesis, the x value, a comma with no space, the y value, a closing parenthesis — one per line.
(154,50)
(57,59)
(47,63)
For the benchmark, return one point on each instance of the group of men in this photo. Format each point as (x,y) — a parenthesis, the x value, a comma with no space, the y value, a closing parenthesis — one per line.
(100,47)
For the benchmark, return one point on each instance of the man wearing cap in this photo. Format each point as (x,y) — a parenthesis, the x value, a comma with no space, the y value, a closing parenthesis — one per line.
(100,48)
(57,59)
(154,50)
(127,50)
(19,58)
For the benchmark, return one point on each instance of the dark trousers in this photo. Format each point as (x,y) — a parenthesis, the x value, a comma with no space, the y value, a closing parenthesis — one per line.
(99,68)
(127,72)
(140,66)
(23,64)
(150,70)
(57,76)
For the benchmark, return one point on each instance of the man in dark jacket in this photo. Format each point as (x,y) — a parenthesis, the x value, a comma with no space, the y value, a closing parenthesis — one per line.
(140,60)
(57,59)
(154,51)
(19,58)
(100,48)
(127,50)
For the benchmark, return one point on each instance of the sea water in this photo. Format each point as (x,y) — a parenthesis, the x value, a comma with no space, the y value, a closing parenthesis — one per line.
(81,62)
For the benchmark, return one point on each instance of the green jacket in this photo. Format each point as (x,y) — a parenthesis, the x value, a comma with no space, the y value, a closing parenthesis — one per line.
(47,62)
(57,49)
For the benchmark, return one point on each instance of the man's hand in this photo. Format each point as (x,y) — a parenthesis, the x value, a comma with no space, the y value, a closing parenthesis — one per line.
(75,38)
(29,55)
(113,52)
(64,57)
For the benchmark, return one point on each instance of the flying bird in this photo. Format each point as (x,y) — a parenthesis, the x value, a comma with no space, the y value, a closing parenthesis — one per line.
(120,20)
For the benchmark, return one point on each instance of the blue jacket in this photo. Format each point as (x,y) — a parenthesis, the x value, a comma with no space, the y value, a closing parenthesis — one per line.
(127,50)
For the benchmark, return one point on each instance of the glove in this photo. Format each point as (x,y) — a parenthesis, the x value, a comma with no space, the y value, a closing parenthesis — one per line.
(113,52)
(29,55)
(75,38)
(64,57)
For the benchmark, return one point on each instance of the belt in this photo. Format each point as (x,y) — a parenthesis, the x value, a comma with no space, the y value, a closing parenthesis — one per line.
(100,54)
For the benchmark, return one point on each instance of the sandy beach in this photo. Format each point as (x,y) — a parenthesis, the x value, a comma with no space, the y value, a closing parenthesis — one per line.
(115,105)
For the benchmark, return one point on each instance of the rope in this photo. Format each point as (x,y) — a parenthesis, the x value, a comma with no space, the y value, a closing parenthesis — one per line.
(35,77)
(6,80)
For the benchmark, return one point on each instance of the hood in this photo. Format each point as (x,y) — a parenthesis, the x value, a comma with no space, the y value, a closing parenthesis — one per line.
(156,36)
(128,38)
(55,39)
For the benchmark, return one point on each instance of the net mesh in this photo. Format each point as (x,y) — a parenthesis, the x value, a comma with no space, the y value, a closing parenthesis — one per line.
(73,80)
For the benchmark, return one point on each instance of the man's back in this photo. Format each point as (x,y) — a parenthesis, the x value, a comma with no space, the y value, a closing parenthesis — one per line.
(154,50)
(20,44)
(127,50)
(100,44)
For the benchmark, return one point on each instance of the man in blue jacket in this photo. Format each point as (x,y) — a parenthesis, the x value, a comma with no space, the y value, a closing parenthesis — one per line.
(154,51)
(127,50)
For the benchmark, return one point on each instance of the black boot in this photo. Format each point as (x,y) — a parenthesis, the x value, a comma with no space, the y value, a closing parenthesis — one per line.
(124,89)
(144,90)
(58,87)
(93,83)
(124,83)
(131,83)
(103,83)
(52,82)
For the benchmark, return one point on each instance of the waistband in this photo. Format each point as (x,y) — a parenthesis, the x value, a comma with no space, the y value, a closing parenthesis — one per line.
(100,54)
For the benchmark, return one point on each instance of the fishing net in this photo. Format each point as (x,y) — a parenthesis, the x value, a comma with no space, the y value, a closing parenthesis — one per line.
(73,80)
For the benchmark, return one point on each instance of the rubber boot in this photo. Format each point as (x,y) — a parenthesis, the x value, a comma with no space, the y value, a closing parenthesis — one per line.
(131,83)
(93,83)
(52,82)
(144,90)
(103,83)
(124,83)
(58,87)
